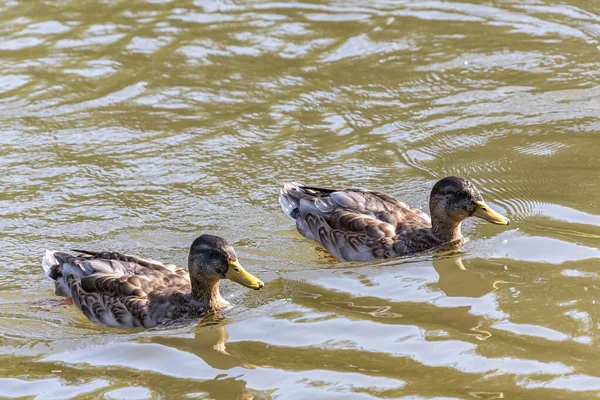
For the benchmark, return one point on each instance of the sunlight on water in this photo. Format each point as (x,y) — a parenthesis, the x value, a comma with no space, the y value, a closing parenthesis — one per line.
(135,126)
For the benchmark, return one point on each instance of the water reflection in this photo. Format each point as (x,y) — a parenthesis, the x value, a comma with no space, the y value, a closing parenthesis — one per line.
(456,280)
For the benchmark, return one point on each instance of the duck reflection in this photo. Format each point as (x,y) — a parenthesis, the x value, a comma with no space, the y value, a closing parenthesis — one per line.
(304,326)
(209,342)
(458,280)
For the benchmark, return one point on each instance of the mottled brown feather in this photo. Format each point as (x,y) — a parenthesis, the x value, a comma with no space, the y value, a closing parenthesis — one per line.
(358,224)
(147,294)
(121,290)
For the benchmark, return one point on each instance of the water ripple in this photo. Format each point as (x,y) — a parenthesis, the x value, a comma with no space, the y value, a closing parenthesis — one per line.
(137,126)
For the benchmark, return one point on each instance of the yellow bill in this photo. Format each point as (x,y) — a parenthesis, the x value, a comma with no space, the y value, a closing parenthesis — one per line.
(238,274)
(484,211)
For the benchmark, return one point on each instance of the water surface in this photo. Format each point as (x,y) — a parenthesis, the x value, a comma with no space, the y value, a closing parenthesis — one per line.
(135,126)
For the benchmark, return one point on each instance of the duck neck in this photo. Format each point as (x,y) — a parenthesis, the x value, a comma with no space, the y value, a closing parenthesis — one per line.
(208,293)
(446,230)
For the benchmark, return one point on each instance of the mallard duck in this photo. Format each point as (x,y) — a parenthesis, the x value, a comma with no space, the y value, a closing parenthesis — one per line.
(362,225)
(125,291)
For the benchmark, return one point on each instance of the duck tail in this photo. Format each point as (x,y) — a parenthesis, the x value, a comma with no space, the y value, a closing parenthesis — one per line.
(289,198)
(51,266)
(57,264)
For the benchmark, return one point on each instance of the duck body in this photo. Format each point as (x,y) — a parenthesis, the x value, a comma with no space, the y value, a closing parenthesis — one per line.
(362,225)
(124,291)
(114,289)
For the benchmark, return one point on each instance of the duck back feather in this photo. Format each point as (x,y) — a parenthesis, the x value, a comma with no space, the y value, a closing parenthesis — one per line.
(119,290)
(354,224)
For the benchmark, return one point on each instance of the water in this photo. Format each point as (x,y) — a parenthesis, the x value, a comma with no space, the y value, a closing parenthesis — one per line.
(135,126)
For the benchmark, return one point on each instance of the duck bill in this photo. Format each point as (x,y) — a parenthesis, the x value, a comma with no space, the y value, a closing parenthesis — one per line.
(238,274)
(484,211)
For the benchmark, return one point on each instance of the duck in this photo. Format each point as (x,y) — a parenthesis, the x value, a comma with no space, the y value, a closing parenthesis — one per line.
(124,291)
(364,225)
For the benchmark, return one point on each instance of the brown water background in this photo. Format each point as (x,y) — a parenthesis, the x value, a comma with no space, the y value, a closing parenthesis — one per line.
(137,125)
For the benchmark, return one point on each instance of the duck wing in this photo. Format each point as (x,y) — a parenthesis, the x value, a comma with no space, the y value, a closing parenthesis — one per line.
(343,244)
(117,290)
(133,264)
(352,224)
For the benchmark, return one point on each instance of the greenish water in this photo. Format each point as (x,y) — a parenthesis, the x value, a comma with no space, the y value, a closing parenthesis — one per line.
(135,126)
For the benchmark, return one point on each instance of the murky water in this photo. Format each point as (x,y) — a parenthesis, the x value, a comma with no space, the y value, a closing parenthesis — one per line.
(136,126)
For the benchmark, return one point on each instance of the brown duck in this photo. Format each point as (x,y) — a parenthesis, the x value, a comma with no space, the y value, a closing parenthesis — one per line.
(362,225)
(125,291)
